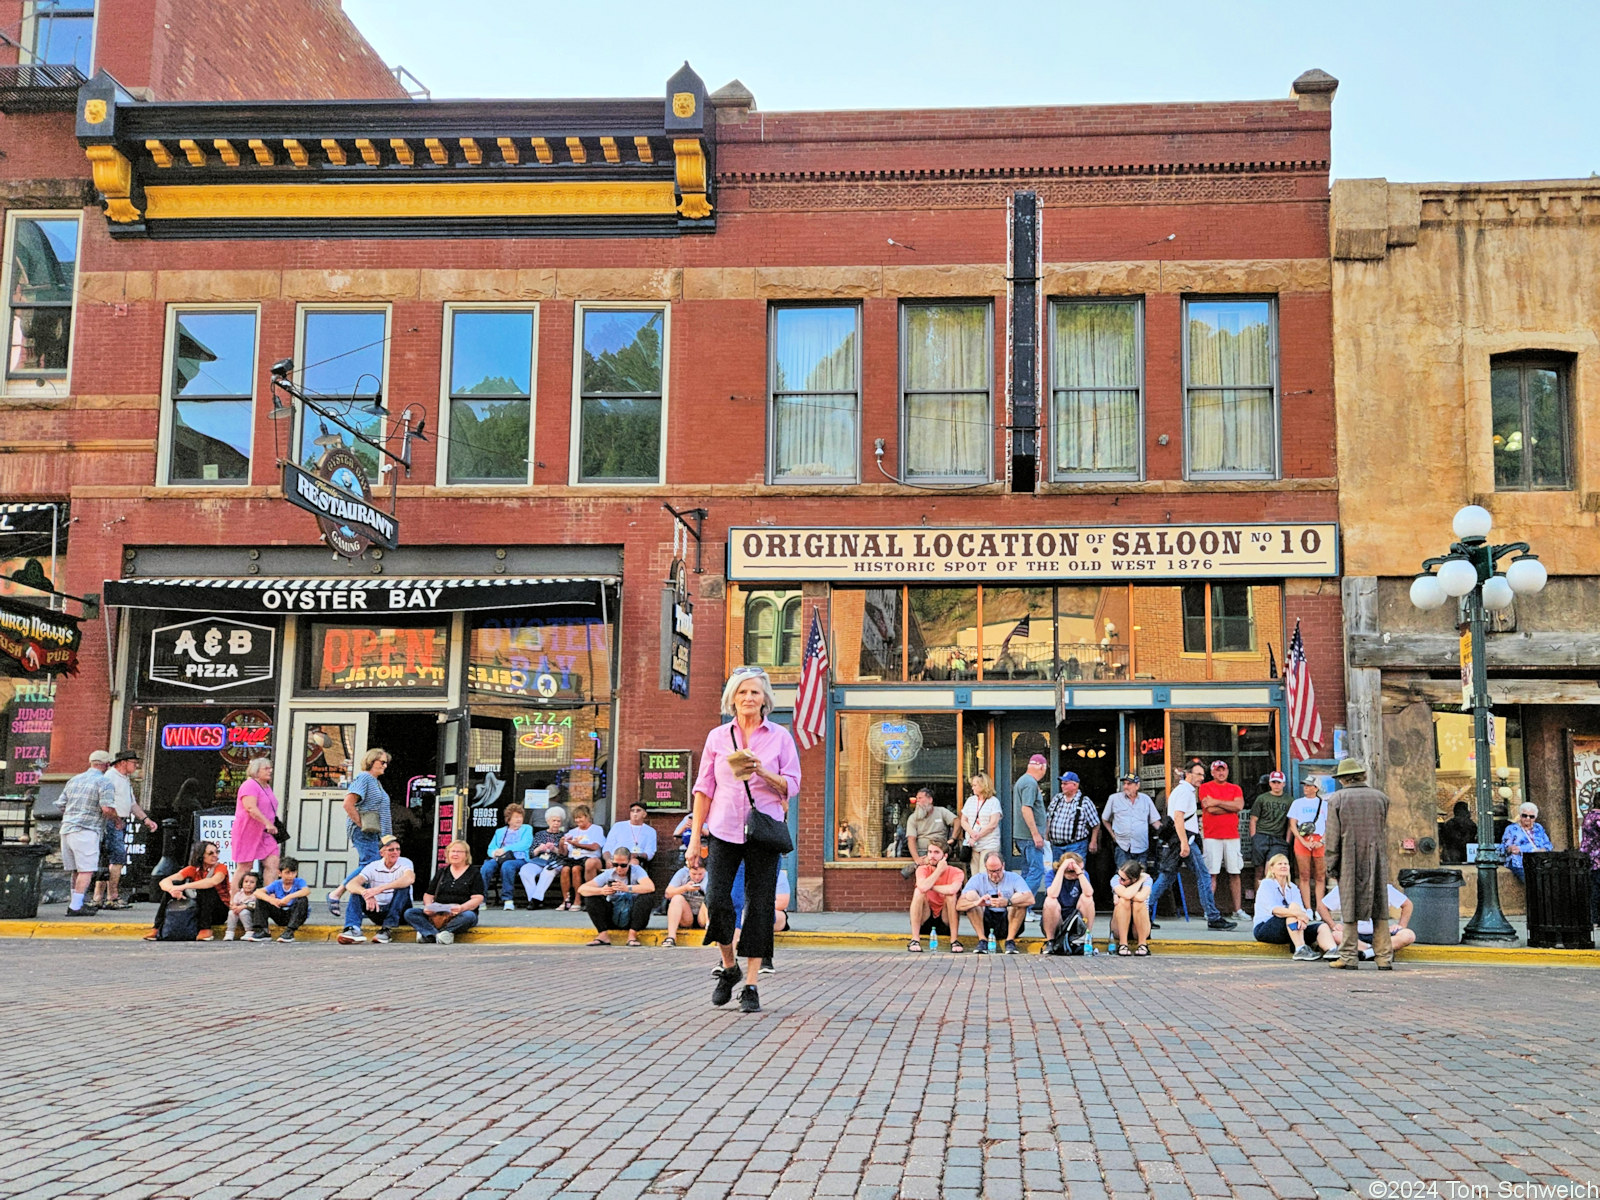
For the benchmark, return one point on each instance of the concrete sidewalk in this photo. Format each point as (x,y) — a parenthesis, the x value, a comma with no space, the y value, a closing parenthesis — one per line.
(854,931)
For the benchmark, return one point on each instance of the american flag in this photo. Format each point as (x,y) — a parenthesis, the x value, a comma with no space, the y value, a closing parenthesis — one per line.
(811,699)
(1305,722)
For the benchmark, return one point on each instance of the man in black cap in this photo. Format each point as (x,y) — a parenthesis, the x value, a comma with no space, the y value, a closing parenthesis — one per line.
(114,840)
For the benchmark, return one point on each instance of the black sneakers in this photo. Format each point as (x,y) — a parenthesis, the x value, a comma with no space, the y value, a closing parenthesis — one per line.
(1222,923)
(766,966)
(726,978)
(748,1000)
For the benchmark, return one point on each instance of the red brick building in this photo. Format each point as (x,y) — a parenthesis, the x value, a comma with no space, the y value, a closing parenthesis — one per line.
(1033,406)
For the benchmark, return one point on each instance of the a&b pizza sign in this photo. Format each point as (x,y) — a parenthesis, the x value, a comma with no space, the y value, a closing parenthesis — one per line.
(211,654)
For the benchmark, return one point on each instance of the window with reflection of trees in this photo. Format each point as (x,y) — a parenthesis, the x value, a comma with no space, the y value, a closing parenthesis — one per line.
(620,401)
(491,394)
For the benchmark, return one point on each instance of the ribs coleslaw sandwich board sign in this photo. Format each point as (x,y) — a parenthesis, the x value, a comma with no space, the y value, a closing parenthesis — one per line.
(1020,552)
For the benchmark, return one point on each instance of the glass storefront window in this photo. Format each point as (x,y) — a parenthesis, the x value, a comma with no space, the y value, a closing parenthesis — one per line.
(884,758)
(1246,631)
(868,639)
(942,633)
(549,659)
(1160,648)
(1455,765)
(350,658)
(1093,631)
(1019,635)
(1242,738)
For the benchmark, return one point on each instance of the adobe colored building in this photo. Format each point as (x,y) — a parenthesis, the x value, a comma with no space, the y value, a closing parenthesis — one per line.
(1032,408)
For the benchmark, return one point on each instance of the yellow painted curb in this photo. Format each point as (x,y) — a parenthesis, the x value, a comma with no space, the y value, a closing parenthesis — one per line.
(1502,955)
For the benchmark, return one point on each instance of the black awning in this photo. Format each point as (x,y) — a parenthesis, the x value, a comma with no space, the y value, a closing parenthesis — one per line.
(575,596)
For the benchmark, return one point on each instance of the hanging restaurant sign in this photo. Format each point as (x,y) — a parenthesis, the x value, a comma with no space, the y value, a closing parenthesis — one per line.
(37,640)
(340,497)
(1017,552)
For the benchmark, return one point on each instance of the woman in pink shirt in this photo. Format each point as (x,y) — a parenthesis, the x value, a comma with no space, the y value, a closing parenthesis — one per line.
(768,777)
(255,817)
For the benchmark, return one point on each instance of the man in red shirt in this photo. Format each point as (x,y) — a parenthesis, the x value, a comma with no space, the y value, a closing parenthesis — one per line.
(1221,803)
(933,903)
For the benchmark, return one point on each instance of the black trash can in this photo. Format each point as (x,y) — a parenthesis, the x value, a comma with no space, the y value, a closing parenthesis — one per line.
(1435,895)
(20,868)
(1557,883)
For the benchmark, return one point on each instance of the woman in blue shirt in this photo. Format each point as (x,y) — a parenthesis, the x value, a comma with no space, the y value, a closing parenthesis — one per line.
(1526,836)
(508,853)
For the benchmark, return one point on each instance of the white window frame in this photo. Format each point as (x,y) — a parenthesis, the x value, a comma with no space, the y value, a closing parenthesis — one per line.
(446,363)
(297,426)
(575,448)
(773,478)
(169,414)
(906,305)
(1138,473)
(1271,302)
(41,387)
(27,54)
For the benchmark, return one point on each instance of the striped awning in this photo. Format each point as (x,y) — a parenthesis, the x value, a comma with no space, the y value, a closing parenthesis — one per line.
(374,596)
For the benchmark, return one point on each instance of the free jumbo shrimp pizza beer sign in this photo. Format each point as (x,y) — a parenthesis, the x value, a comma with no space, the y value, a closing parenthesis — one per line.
(1043,552)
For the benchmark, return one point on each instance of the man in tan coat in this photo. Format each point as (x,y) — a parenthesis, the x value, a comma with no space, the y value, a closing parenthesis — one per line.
(1358,857)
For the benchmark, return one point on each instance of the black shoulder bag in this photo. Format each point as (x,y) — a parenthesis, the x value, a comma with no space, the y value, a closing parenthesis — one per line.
(760,829)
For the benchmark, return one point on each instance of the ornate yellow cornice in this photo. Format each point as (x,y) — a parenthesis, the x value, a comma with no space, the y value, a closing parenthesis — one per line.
(347,200)
(113,176)
(691,176)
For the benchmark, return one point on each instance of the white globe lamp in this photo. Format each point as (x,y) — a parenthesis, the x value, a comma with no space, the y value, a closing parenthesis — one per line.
(1426,593)
(1527,575)
(1457,576)
(1473,521)
(1497,593)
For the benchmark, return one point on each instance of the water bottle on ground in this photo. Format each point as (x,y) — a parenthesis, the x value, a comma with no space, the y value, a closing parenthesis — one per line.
(933,939)
(992,947)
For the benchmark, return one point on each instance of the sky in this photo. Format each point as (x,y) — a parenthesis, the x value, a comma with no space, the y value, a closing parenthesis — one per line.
(1427,91)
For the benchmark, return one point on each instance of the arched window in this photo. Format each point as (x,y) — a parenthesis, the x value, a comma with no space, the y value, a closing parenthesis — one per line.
(789,642)
(760,624)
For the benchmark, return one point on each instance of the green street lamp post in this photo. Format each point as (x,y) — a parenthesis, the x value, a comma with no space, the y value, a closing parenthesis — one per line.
(1468,573)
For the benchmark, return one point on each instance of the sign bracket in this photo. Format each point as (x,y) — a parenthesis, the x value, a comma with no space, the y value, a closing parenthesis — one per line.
(682,518)
(33,578)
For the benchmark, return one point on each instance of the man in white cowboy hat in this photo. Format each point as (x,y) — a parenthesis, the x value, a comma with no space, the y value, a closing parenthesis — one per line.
(1358,857)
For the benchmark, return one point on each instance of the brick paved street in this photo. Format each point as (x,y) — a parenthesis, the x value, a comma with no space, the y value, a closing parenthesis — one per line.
(868,1074)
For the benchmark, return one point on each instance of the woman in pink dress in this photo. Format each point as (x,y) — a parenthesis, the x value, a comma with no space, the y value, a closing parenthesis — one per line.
(254,823)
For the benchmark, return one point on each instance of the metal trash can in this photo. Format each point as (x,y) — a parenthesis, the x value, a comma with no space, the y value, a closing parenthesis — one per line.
(1435,904)
(20,868)
(1557,883)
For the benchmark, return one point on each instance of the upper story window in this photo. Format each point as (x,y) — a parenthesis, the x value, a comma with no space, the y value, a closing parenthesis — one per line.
(620,430)
(1230,389)
(815,375)
(945,371)
(490,394)
(1532,422)
(772,629)
(345,353)
(1229,618)
(210,400)
(60,33)
(40,270)
(1096,377)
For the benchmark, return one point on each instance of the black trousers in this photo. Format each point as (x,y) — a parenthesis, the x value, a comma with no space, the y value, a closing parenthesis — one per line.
(212,910)
(292,917)
(604,916)
(760,895)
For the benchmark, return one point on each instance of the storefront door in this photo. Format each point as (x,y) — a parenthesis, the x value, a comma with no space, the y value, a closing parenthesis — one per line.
(325,750)
(1018,737)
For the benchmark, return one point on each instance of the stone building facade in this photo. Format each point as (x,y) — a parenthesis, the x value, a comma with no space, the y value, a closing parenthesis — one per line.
(1467,343)
(1062,375)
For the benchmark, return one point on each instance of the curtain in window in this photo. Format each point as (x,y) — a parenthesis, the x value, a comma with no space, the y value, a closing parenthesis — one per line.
(947,390)
(814,393)
(1231,420)
(1096,388)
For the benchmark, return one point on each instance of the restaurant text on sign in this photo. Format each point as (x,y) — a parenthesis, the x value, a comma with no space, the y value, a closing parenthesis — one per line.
(1021,552)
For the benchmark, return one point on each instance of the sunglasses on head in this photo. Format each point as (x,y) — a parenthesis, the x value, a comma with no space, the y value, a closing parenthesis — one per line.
(738,671)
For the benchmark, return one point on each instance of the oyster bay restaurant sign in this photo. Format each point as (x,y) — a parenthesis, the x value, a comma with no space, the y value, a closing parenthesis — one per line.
(340,497)
(1019,552)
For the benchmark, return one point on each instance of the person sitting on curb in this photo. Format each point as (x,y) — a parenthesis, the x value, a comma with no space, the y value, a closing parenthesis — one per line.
(242,909)
(453,900)
(1131,907)
(1069,893)
(379,892)
(205,881)
(545,859)
(508,853)
(1400,932)
(686,901)
(614,899)
(286,900)
(635,834)
(923,825)
(1281,920)
(996,901)
(933,898)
